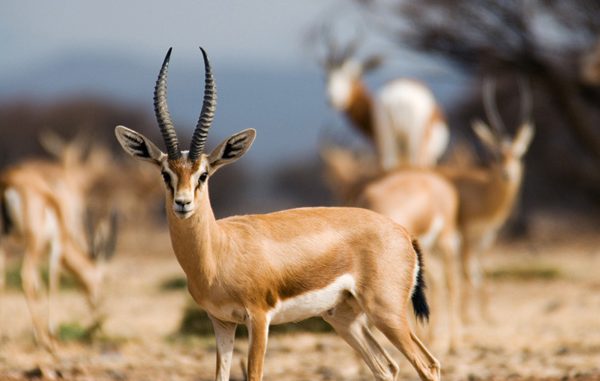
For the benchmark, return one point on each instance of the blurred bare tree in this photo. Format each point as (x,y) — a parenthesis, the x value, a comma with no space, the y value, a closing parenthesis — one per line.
(22,121)
(545,41)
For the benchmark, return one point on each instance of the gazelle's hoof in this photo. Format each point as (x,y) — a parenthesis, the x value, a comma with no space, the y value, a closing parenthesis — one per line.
(42,372)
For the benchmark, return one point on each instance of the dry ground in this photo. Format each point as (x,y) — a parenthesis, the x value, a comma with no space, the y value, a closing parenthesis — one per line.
(546,326)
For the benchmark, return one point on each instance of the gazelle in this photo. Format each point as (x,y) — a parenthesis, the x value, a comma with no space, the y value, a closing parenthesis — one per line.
(422,201)
(487,195)
(403,120)
(43,206)
(343,264)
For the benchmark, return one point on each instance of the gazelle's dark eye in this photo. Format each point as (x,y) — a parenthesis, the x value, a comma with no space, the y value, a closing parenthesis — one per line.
(166,177)
(202,177)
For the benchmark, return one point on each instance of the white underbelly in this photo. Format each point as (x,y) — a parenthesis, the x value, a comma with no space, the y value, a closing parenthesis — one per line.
(313,303)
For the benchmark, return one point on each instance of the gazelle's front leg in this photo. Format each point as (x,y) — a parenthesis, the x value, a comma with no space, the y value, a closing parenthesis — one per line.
(225,336)
(258,328)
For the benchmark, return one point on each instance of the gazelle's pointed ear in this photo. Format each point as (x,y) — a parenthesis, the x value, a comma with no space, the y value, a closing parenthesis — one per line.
(523,139)
(485,134)
(139,146)
(231,149)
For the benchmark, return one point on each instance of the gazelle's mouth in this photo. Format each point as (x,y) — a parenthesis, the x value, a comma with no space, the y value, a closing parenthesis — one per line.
(182,213)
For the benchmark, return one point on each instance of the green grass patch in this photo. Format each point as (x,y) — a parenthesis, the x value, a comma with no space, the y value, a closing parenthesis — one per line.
(196,322)
(14,281)
(76,332)
(93,334)
(525,272)
(173,284)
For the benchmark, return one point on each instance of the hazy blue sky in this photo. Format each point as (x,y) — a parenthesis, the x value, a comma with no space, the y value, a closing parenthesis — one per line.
(257,32)
(266,72)
(260,32)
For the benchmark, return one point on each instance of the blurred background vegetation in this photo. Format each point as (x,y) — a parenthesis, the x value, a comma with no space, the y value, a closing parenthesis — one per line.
(78,90)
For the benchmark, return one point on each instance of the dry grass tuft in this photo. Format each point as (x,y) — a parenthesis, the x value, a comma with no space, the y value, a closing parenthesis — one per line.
(14,282)
(526,272)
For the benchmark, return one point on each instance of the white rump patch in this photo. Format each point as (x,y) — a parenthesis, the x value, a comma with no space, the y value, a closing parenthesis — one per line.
(313,303)
(436,146)
(405,109)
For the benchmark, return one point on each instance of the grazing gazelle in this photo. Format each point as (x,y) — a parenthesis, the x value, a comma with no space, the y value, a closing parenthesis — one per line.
(43,208)
(403,120)
(487,195)
(344,264)
(426,204)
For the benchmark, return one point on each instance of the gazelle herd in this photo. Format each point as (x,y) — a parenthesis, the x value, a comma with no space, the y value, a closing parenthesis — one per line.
(357,266)
(403,120)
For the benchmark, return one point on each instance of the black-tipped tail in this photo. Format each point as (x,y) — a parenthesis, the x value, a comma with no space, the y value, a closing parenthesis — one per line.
(418,298)
(6,224)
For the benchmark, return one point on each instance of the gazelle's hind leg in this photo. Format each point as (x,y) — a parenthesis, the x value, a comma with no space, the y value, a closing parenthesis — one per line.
(449,246)
(87,273)
(399,333)
(468,283)
(482,295)
(388,311)
(473,287)
(350,323)
(53,281)
(32,283)
(2,268)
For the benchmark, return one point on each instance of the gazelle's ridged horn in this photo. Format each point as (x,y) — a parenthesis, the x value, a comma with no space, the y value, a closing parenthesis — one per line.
(491,109)
(526,99)
(161,111)
(209,106)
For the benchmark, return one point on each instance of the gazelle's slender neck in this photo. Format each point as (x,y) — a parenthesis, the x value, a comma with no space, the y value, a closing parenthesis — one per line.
(195,240)
(360,108)
(507,181)
(493,200)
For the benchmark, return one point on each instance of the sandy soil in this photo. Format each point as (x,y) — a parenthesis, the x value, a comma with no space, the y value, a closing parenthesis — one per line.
(542,329)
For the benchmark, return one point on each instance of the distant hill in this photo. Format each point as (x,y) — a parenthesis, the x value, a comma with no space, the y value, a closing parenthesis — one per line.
(287,107)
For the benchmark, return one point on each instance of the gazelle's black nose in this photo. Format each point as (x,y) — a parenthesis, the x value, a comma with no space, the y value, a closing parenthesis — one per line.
(182,203)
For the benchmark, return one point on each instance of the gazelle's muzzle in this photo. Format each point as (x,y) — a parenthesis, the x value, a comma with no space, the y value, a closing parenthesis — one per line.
(183,207)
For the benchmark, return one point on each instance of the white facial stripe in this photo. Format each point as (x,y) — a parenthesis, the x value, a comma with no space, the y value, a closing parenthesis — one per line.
(203,168)
(174,178)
